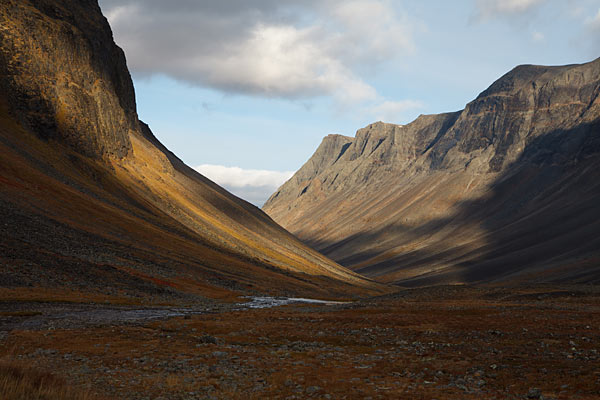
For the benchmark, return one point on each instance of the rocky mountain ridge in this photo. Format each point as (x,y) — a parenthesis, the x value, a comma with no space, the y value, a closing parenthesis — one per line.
(476,190)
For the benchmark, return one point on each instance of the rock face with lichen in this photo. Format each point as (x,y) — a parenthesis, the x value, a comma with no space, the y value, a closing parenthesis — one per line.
(506,189)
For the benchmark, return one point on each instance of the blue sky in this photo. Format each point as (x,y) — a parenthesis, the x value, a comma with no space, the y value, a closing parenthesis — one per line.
(245,90)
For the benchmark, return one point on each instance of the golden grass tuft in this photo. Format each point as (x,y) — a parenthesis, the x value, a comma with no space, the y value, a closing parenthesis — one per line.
(18,382)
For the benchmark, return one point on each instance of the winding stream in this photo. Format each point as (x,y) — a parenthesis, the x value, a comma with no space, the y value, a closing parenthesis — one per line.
(57,316)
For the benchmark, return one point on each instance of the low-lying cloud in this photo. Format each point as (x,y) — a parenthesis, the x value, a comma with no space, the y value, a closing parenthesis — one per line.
(252,185)
(270,48)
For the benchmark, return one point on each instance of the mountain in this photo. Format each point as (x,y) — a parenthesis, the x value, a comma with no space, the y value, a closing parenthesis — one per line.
(92,202)
(506,190)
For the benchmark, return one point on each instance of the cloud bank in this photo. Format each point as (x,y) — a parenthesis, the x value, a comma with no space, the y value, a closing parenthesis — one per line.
(270,48)
(251,185)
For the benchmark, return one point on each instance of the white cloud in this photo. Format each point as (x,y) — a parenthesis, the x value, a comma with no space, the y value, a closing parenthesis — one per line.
(537,36)
(269,48)
(496,8)
(370,31)
(594,22)
(393,111)
(235,176)
(252,185)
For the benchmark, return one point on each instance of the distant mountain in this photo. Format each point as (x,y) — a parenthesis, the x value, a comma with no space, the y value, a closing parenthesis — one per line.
(507,189)
(91,201)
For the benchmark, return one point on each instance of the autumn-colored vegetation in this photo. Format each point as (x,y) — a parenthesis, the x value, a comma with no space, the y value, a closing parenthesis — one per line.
(18,382)
(442,343)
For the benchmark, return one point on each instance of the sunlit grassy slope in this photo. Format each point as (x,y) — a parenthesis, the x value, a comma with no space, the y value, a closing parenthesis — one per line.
(145,225)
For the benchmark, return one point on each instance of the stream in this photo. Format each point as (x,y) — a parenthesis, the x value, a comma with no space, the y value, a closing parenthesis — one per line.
(61,316)
(268,302)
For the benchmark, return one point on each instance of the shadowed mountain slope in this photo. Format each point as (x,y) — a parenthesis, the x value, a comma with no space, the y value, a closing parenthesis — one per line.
(90,200)
(506,190)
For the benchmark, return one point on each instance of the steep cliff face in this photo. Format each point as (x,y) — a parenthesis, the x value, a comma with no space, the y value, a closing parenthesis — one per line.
(90,200)
(67,79)
(505,189)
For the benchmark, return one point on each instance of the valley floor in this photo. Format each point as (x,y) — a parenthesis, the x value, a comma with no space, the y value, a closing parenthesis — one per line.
(436,343)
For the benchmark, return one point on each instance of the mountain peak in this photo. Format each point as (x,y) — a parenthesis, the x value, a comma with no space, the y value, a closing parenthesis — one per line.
(523,76)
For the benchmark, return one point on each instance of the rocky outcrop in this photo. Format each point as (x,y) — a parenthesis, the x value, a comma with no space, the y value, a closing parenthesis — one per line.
(67,79)
(505,189)
(90,200)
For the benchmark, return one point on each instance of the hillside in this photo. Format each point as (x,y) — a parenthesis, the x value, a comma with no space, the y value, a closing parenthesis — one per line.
(93,205)
(506,190)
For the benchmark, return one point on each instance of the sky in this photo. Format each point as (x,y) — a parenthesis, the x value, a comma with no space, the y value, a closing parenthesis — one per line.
(245,90)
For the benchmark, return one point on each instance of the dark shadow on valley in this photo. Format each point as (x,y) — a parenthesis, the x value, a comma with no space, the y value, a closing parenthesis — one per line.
(540,223)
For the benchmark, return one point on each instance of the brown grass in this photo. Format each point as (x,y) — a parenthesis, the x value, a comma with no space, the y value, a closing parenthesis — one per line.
(390,348)
(19,313)
(18,382)
(47,295)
